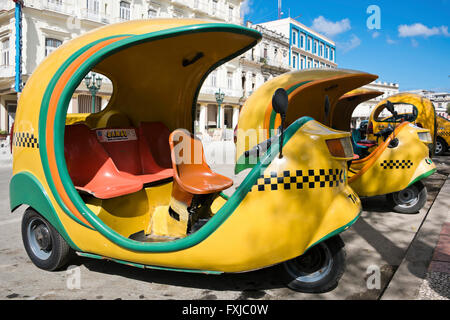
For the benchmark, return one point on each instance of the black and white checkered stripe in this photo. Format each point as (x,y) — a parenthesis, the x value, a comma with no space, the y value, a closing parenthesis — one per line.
(25,140)
(300,179)
(396,164)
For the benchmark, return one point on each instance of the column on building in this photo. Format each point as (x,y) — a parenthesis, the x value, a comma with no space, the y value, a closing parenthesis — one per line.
(202,118)
(222,116)
(235,116)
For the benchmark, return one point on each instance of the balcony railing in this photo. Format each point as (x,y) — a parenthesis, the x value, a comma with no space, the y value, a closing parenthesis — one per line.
(275,62)
(59,7)
(94,16)
(207,89)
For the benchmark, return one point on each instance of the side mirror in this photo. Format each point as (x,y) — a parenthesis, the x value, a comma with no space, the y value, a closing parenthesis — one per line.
(280,101)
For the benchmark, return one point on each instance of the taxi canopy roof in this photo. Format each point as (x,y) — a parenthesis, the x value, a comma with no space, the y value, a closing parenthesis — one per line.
(342,113)
(156,66)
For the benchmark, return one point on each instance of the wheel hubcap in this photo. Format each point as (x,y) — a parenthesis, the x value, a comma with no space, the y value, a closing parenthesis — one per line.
(438,147)
(39,238)
(407,197)
(312,266)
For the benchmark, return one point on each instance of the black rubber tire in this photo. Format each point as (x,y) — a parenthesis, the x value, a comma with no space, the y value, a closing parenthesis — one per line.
(443,148)
(335,259)
(421,195)
(60,252)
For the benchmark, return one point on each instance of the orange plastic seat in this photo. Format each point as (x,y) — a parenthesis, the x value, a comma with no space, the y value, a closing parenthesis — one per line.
(191,172)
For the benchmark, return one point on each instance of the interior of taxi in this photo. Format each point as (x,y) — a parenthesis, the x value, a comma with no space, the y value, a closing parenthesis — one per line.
(139,180)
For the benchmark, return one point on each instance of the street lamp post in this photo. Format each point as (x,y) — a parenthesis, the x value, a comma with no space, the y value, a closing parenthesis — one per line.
(219,98)
(93,83)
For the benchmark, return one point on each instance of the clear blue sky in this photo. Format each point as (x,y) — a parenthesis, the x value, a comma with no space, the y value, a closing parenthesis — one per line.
(412,46)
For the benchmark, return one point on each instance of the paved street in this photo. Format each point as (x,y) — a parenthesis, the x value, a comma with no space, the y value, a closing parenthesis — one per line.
(379,238)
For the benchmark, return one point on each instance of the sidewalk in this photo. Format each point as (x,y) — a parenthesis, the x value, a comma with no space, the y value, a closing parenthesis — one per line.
(425,271)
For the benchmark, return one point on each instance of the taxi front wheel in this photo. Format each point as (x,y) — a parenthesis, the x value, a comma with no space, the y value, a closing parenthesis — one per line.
(318,269)
(410,199)
(43,244)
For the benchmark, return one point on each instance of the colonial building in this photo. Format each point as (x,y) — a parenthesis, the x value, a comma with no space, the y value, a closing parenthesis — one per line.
(46,24)
(307,48)
(440,100)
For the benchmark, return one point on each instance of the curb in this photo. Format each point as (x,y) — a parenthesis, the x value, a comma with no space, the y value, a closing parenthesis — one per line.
(406,282)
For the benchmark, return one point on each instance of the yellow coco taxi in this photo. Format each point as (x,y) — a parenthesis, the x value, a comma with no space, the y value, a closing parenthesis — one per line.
(443,135)
(394,110)
(394,168)
(127,184)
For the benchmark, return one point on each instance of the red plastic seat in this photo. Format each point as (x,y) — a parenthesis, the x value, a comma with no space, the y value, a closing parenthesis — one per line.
(367,143)
(91,168)
(130,156)
(154,139)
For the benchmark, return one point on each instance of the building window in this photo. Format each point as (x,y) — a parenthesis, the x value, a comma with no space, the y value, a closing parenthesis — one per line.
(294,62)
(230,80)
(332,54)
(294,37)
(214,79)
(230,13)
(152,13)
(315,47)
(302,63)
(309,44)
(327,50)
(93,6)
(214,7)
(51,45)
(321,50)
(124,10)
(265,52)
(302,41)
(5,52)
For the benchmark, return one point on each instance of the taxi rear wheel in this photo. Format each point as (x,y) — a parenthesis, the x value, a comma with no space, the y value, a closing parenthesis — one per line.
(317,270)
(43,244)
(410,199)
(441,147)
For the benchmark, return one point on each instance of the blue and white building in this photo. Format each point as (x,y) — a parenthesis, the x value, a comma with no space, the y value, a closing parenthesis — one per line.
(307,48)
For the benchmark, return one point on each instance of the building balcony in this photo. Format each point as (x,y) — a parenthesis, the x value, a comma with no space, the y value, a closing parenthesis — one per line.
(7,71)
(230,93)
(267,61)
(94,16)
(58,7)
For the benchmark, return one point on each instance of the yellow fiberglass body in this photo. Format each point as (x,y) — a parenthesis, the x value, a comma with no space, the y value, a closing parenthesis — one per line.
(330,96)
(282,208)
(391,169)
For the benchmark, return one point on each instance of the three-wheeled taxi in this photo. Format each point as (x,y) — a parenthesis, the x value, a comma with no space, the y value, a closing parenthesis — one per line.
(131,184)
(394,168)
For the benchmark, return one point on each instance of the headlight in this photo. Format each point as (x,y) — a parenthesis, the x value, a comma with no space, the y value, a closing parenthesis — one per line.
(340,148)
(425,137)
